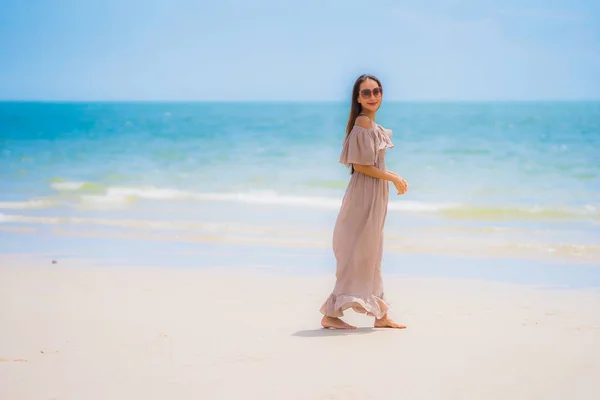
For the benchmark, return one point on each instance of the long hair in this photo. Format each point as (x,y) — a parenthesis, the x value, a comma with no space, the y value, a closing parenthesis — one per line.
(356,108)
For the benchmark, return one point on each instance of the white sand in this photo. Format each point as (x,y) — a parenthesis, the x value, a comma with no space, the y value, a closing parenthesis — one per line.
(77,332)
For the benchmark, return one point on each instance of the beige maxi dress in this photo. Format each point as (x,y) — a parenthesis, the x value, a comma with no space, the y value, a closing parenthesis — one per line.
(358,232)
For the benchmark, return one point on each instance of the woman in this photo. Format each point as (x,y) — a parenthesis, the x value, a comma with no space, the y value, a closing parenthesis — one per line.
(358,233)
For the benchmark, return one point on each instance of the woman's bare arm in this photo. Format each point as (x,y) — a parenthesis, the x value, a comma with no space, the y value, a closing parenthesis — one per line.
(375,172)
(372,171)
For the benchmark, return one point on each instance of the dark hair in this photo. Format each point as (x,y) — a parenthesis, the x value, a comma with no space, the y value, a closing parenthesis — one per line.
(356,108)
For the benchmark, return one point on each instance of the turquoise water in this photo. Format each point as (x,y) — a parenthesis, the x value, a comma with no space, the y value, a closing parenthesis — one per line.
(489,179)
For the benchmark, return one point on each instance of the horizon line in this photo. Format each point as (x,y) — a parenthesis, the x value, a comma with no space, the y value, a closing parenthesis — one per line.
(441,100)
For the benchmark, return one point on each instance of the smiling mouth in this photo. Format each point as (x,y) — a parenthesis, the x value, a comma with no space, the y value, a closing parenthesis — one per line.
(372,104)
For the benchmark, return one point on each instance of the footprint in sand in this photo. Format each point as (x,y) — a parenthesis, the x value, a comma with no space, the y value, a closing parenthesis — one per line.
(13,360)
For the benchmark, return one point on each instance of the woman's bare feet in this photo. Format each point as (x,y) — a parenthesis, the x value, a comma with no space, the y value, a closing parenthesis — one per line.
(335,323)
(386,322)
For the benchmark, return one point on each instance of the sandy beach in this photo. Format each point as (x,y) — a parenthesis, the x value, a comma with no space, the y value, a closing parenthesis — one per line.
(73,330)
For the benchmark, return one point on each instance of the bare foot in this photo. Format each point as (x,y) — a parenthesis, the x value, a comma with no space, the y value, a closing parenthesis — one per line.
(386,322)
(335,323)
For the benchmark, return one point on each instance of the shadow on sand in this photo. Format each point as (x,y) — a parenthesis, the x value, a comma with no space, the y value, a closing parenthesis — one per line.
(322,332)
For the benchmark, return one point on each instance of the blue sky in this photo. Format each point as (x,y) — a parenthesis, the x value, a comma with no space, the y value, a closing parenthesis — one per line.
(298,50)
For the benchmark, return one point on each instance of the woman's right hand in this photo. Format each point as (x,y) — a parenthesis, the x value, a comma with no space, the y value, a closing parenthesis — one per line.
(401,185)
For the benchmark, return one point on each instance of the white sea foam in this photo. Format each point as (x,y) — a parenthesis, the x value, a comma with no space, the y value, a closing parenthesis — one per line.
(205,227)
(271,198)
(115,197)
(19,205)
(123,195)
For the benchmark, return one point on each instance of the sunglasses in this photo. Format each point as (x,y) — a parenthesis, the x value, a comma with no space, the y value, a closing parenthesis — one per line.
(366,93)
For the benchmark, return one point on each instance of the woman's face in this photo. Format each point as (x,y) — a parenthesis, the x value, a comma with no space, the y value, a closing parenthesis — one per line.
(370,95)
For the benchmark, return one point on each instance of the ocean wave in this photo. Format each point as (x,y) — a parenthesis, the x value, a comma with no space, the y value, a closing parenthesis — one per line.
(123,196)
(79,187)
(20,205)
(157,224)
(97,197)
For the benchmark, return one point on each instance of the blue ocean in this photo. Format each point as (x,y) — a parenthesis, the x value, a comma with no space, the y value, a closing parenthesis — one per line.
(488,180)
